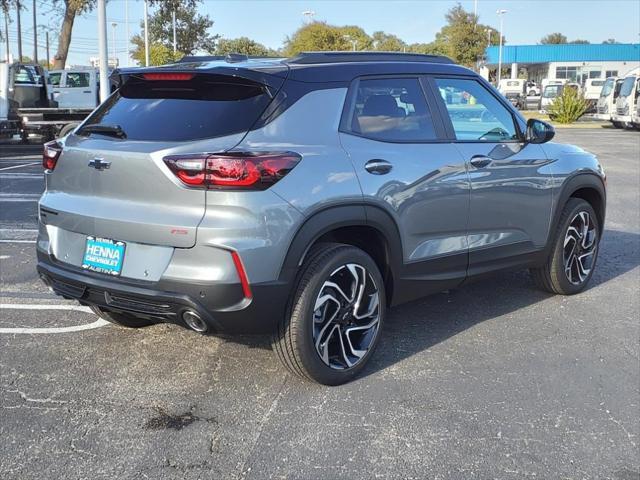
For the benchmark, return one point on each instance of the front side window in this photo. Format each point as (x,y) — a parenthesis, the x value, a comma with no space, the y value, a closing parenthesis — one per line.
(392,110)
(54,79)
(474,112)
(77,80)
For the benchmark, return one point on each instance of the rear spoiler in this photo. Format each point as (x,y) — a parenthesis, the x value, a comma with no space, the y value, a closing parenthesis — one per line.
(272,77)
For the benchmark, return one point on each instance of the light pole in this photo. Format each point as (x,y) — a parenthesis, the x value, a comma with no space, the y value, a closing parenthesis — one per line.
(175,43)
(113,43)
(126,21)
(501,15)
(102,46)
(353,41)
(308,15)
(146,34)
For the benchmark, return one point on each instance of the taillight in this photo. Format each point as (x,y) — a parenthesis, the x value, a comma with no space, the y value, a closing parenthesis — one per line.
(232,170)
(50,154)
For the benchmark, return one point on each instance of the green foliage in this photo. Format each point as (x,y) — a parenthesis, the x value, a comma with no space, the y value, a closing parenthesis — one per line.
(245,46)
(610,41)
(320,36)
(159,54)
(191,28)
(568,107)
(386,42)
(463,38)
(580,42)
(553,39)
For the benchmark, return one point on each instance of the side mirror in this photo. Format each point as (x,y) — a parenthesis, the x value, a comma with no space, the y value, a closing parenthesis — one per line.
(539,131)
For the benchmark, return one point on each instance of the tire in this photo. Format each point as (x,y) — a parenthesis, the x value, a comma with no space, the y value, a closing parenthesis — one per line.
(553,277)
(122,319)
(67,129)
(617,124)
(308,340)
(532,93)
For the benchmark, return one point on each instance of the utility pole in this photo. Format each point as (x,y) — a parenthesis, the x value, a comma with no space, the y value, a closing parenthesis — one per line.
(102,46)
(6,32)
(501,15)
(175,43)
(19,31)
(126,21)
(35,34)
(146,33)
(48,58)
(113,42)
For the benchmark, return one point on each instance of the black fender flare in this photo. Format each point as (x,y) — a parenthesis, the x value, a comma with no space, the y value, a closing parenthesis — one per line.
(568,188)
(338,216)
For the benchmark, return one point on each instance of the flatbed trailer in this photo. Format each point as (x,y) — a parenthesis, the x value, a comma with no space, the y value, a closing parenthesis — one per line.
(50,122)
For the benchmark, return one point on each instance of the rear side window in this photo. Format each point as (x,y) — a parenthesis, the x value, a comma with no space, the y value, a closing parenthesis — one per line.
(206,106)
(391,109)
(77,80)
(54,79)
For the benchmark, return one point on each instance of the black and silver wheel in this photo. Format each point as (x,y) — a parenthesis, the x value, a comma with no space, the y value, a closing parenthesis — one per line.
(575,250)
(335,317)
(122,319)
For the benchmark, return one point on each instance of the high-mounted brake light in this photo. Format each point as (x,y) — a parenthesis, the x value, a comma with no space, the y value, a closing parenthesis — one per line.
(232,170)
(51,154)
(168,76)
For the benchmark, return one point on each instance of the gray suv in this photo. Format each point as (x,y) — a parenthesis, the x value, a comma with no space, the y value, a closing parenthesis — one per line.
(303,197)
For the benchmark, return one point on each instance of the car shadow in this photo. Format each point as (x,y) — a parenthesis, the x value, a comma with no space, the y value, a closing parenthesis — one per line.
(416,326)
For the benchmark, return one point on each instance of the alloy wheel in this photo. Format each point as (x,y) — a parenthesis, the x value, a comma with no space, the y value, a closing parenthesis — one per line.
(580,245)
(346,317)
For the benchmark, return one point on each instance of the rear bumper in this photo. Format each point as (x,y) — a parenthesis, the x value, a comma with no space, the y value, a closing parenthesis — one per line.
(221,305)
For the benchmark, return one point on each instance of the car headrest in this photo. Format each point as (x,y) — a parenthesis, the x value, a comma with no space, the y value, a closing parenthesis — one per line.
(381,105)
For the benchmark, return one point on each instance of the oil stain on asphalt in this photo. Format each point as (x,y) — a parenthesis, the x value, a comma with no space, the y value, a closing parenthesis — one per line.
(165,421)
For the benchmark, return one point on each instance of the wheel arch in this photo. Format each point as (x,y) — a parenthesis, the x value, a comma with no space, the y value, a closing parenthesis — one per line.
(364,226)
(587,186)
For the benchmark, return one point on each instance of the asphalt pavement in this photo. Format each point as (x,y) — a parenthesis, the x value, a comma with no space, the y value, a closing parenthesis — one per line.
(495,380)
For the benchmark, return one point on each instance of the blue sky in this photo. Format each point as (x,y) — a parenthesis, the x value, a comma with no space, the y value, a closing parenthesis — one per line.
(269,22)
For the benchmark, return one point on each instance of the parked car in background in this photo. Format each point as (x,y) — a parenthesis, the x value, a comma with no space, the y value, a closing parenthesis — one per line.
(532,89)
(552,91)
(606,105)
(302,197)
(626,112)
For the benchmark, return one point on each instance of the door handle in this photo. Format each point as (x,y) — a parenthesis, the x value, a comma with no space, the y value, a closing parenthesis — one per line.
(480,161)
(86,91)
(378,167)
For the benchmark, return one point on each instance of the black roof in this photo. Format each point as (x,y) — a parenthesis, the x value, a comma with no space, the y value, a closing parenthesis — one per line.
(322,67)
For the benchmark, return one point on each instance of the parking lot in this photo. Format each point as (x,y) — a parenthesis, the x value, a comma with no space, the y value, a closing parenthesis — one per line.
(492,380)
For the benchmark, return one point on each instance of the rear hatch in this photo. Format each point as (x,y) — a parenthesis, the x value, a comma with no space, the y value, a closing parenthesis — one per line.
(132,195)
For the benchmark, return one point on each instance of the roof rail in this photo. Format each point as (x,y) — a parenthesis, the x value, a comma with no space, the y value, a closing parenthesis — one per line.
(307,58)
(229,58)
(200,58)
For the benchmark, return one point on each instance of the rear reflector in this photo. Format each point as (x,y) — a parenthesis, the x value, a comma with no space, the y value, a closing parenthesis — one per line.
(50,154)
(168,76)
(232,170)
(242,274)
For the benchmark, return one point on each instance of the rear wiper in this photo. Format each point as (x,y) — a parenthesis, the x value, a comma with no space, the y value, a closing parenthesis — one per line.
(113,130)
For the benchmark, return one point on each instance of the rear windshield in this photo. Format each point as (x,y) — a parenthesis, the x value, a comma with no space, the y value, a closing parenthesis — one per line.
(205,107)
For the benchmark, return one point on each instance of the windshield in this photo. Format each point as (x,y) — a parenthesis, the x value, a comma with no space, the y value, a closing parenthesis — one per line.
(608,87)
(627,86)
(206,106)
(551,91)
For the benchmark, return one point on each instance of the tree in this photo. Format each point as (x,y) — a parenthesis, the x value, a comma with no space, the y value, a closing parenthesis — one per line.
(191,28)
(159,54)
(245,46)
(553,39)
(320,36)
(71,8)
(580,42)
(386,42)
(463,38)
(610,41)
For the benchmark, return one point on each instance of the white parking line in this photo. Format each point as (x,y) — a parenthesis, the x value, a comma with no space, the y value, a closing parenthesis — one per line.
(18,235)
(17,241)
(76,328)
(18,166)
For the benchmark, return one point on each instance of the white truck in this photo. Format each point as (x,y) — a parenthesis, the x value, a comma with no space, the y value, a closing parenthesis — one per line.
(626,112)
(552,90)
(592,89)
(606,106)
(75,88)
(28,106)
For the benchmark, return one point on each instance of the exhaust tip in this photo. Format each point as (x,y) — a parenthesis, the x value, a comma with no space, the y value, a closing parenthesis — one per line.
(194,321)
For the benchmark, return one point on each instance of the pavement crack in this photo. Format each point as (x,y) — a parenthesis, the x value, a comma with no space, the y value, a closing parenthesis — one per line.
(27,398)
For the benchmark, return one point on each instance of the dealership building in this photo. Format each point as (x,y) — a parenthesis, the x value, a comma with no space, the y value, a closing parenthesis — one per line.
(575,62)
